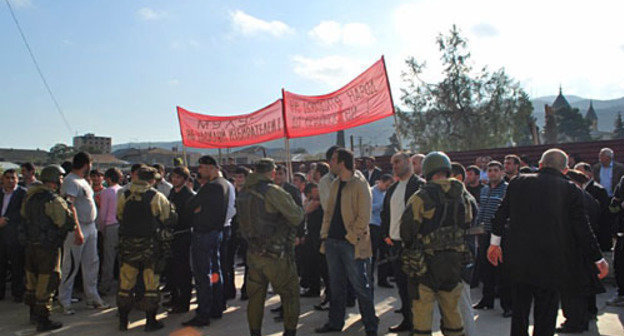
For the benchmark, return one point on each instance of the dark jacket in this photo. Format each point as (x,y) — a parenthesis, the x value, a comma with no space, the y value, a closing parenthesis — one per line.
(615,207)
(294,192)
(208,208)
(296,195)
(10,231)
(592,210)
(618,172)
(414,183)
(604,230)
(180,199)
(374,177)
(549,236)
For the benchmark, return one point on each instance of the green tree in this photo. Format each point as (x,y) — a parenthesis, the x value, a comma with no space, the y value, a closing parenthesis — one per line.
(394,145)
(550,128)
(571,125)
(618,132)
(466,110)
(60,152)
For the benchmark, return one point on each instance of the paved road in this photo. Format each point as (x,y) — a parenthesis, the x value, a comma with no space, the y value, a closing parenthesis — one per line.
(86,322)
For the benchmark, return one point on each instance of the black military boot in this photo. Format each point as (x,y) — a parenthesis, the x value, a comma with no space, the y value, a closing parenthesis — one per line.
(289,332)
(152,324)
(255,333)
(44,324)
(123,319)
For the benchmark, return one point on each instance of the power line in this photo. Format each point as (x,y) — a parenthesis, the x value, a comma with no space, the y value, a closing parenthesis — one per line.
(32,56)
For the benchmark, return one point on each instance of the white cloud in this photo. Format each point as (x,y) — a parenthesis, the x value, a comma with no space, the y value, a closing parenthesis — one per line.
(332,70)
(327,32)
(149,14)
(248,25)
(351,34)
(531,40)
(174,82)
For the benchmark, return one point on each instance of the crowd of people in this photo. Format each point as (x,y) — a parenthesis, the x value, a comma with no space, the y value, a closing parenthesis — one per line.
(432,228)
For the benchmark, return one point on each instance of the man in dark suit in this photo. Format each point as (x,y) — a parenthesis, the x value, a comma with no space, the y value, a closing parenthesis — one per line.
(608,172)
(11,251)
(579,307)
(372,173)
(393,207)
(604,231)
(548,236)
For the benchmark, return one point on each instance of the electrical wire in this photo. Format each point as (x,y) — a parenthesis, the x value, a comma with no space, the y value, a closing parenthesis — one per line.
(32,56)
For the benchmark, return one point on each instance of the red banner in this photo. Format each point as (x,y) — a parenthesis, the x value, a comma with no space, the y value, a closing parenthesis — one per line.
(365,99)
(206,131)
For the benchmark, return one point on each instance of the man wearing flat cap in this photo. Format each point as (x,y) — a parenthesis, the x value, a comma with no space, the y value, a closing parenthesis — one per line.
(207,211)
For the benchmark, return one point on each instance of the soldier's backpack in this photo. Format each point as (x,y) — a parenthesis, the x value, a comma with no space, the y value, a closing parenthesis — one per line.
(137,220)
(438,254)
(38,228)
(258,227)
(142,236)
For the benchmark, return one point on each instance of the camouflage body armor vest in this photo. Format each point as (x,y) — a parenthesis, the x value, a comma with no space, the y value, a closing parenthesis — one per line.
(438,254)
(137,230)
(40,229)
(266,233)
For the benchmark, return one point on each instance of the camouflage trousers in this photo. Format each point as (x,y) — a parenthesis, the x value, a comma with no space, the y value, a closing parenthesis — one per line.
(282,274)
(422,309)
(43,273)
(128,274)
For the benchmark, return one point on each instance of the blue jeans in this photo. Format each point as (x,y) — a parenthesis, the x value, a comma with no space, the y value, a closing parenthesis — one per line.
(342,265)
(205,251)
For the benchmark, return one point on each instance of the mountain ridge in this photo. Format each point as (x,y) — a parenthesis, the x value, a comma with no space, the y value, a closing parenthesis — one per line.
(379,132)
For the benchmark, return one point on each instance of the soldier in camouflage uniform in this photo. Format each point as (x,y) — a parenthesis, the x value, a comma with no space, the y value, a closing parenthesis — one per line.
(433,228)
(269,218)
(146,218)
(47,221)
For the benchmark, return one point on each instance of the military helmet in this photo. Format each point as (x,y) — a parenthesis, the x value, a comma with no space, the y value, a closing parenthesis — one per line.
(52,173)
(435,162)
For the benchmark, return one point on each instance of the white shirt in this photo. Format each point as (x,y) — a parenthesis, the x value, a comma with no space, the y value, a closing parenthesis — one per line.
(7,199)
(164,187)
(397,206)
(231,210)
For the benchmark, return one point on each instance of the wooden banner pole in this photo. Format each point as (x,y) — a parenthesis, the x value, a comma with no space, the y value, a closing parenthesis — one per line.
(288,159)
(396,120)
(186,161)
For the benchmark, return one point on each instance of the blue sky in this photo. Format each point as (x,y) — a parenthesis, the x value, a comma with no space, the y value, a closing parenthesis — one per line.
(119,68)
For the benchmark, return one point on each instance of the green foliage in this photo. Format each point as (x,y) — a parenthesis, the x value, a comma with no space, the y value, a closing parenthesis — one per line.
(550,129)
(571,125)
(60,152)
(465,110)
(394,145)
(618,132)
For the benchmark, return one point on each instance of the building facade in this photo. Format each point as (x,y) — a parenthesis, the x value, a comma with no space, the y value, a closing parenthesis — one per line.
(93,144)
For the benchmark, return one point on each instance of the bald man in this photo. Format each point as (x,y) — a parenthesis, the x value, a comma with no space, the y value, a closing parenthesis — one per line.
(548,244)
